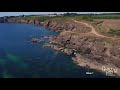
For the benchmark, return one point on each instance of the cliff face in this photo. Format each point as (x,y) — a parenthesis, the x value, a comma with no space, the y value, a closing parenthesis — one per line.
(14,20)
(88,50)
(3,20)
(58,27)
(91,48)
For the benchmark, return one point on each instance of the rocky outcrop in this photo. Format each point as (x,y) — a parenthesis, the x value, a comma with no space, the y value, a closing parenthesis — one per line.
(17,20)
(58,27)
(3,20)
(60,48)
(36,40)
(46,37)
(29,22)
(93,50)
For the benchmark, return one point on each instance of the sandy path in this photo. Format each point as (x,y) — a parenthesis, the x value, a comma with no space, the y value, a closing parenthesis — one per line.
(92,28)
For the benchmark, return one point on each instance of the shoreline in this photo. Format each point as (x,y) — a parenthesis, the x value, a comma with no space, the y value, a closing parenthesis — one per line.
(78,57)
(84,63)
(98,68)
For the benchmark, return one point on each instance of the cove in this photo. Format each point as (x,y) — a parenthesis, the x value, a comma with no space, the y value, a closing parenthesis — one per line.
(20,58)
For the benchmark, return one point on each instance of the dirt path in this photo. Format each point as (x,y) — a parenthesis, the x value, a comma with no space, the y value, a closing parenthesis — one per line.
(92,28)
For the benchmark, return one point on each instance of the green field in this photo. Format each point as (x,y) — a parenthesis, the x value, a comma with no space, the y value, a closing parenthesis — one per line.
(40,18)
(73,16)
(96,16)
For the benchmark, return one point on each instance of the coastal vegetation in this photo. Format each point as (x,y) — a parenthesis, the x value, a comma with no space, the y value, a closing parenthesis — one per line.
(114,32)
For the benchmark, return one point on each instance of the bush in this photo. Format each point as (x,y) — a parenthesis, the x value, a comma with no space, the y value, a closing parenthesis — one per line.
(115,32)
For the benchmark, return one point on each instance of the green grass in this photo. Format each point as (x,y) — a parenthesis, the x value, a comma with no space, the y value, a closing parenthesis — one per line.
(105,16)
(39,18)
(114,32)
(97,16)
(89,17)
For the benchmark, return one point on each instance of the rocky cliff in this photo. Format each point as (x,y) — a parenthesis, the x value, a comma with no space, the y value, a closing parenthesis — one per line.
(86,50)
(16,20)
(58,27)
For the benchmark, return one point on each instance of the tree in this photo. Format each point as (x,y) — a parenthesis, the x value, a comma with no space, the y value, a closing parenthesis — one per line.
(55,13)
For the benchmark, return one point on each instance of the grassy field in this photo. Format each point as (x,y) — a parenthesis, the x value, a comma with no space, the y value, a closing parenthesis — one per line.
(89,17)
(39,18)
(95,16)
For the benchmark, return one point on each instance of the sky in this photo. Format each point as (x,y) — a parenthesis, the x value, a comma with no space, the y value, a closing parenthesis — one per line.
(34,13)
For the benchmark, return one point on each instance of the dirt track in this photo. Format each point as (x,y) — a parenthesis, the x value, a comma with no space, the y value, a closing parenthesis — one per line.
(92,29)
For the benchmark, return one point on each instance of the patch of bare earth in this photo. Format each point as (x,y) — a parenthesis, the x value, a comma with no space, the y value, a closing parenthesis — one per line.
(110,23)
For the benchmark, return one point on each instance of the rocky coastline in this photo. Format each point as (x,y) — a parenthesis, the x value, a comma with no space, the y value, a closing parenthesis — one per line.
(86,51)
(14,20)
(36,40)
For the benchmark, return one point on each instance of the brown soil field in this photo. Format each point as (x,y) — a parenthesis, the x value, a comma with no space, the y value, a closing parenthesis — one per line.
(110,23)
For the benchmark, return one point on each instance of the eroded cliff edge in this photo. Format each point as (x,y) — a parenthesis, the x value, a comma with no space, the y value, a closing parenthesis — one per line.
(86,48)
(19,20)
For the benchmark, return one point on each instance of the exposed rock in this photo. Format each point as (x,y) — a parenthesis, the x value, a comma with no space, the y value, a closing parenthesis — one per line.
(3,20)
(58,27)
(93,49)
(89,51)
(46,37)
(36,22)
(31,22)
(56,47)
(36,40)
(15,20)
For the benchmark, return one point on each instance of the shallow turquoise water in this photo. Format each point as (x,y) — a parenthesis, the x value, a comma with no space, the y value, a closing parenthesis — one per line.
(20,58)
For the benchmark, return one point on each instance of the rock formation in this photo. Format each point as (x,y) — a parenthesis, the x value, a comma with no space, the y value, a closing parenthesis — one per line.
(87,51)
(58,27)
(36,40)
(17,20)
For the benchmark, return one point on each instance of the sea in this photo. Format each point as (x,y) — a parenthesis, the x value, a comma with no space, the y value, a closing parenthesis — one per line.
(21,58)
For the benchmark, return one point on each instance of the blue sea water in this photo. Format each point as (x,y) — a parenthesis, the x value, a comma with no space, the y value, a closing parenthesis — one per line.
(20,58)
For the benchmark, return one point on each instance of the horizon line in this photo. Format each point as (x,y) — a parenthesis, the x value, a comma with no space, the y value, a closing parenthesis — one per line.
(51,13)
